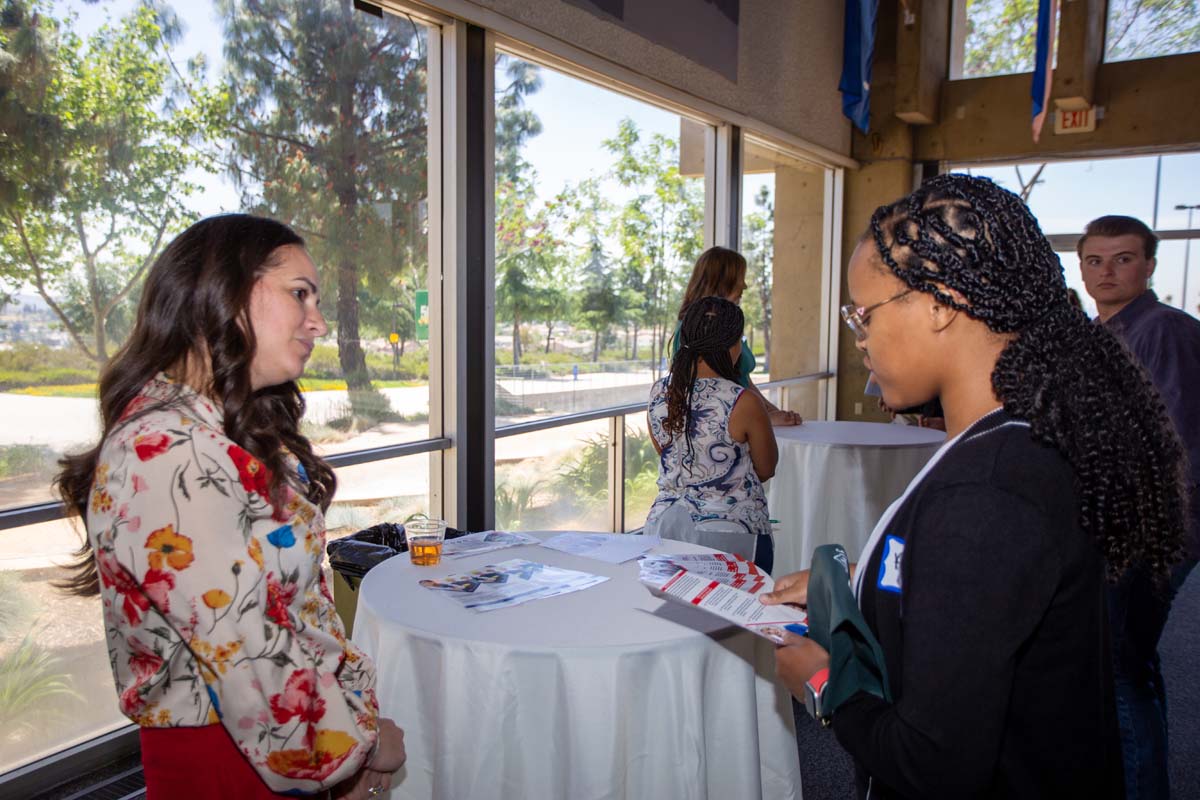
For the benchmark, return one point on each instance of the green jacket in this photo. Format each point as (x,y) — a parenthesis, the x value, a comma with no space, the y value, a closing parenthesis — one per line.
(856,662)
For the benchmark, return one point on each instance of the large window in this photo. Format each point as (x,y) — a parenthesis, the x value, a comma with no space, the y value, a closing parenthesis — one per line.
(126,121)
(1140,29)
(992,37)
(130,121)
(783,237)
(600,209)
(1066,195)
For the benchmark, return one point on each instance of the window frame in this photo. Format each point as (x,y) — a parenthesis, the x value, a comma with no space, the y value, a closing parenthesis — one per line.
(462,432)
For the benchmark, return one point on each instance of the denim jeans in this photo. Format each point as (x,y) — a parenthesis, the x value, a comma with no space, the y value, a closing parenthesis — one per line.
(1138,610)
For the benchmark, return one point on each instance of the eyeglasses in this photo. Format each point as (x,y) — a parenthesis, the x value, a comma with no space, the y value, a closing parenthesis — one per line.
(856,318)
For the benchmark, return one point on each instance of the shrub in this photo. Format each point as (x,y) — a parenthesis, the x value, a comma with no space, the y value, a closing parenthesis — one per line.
(26,459)
(25,356)
(29,676)
(15,608)
(514,500)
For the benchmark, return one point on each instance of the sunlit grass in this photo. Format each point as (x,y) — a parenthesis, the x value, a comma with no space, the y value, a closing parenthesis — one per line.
(67,390)
(306,385)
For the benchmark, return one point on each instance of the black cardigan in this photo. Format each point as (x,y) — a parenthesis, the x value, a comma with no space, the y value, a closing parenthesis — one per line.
(996,641)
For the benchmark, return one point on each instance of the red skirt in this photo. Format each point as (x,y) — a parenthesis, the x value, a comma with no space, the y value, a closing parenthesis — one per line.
(199,764)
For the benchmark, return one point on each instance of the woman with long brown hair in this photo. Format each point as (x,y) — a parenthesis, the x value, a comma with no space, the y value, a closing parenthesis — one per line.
(721,272)
(205,533)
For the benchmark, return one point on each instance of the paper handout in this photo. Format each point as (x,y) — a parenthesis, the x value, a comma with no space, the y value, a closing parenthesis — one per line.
(485,542)
(730,604)
(614,548)
(725,568)
(510,583)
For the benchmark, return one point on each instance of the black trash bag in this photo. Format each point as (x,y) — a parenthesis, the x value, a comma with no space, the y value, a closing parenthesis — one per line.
(353,556)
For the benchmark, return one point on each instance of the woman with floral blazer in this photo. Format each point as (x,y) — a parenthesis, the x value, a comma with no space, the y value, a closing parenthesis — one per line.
(205,526)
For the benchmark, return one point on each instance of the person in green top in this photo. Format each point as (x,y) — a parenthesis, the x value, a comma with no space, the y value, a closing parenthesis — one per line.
(721,272)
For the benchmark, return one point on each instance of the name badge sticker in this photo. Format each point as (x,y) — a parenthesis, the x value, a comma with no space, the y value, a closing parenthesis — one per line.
(889,565)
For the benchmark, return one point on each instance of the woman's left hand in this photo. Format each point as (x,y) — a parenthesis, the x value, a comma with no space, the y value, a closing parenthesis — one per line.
(367,784)
(797,660)
(785,418)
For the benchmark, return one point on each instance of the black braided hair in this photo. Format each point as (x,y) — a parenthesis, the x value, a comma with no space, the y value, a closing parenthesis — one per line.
(1070,378)
(710,327)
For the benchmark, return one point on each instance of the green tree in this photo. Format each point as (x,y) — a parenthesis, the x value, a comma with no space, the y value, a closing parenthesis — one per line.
(329,133)
(524,247)
(758,246)
(1001,34)
(30,132)
(661,227)
(121,151)
(519,249)
(1001,37)
(598,303)
(1143,28)
(515,124)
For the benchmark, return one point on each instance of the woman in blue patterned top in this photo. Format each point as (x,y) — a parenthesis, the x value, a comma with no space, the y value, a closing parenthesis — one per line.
(715,450)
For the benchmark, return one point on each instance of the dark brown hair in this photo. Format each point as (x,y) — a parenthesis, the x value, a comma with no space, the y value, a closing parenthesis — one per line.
(1117,225)
(195,305)
(717,273)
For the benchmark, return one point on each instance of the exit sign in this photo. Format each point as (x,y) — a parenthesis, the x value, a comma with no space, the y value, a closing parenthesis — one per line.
(1079,121)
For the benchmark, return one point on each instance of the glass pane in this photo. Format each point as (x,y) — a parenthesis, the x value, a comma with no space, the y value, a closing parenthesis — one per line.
(1066,195)
(1137,29)
(641,471)
(1168,278)
(225,133)
(58,687)
(554,480)
(1000,38)
(599,218)
(1180,187)
(380,491)
(783,230)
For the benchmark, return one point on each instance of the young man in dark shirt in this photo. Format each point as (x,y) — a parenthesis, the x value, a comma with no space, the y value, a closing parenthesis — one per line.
(1117,258)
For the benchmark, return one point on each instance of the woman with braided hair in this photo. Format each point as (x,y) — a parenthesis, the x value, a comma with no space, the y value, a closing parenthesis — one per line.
(984,582)
(715,450)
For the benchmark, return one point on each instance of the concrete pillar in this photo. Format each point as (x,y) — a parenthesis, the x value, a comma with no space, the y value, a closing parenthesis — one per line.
(796,290)
(886,155)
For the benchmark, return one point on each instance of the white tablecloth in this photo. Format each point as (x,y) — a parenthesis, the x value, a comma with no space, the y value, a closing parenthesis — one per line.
(604,693)
(834,480)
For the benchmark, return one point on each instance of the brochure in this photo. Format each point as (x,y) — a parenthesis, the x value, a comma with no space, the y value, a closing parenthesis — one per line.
(724,568)
(731,604)
(614,548)
(485,542)
(510,583)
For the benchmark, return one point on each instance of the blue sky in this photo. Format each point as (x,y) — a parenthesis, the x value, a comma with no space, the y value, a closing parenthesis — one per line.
(1073,192)
(578,116)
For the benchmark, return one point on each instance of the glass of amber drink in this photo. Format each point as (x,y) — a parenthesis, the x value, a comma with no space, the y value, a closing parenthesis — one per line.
(425,541)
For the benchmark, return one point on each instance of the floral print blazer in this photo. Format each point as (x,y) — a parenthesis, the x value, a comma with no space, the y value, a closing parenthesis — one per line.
(215,604)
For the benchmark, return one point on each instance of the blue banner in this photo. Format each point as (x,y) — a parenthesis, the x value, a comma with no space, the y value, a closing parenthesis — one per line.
(858,50)
(1043,66)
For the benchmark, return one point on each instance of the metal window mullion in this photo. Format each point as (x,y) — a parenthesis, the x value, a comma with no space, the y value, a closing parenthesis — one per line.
(727,192)
(469,164)
(616,474)
(831,260)
(438,194)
